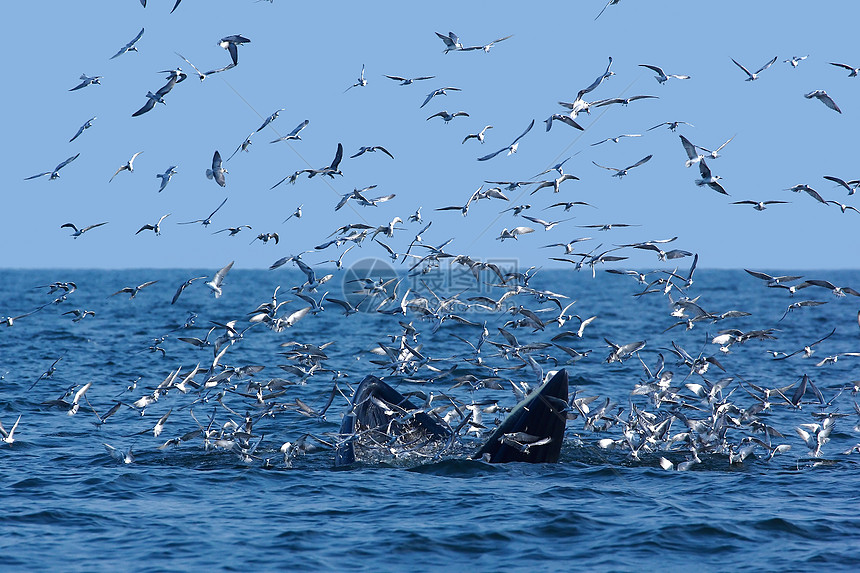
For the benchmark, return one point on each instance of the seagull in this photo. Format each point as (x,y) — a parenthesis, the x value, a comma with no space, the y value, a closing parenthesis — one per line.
(156,228)
(672,125)
(360,83)
(183,286)
(233,230)
(809,191)
(217,172)
(622,172)
(838,291)
(844,207)
(297,214)
(270,119)
(130,47)
(78,232)
(86,81)
(230,44)
(558,167)
(708,179)
(568,205)
(566,119)
(266,237)
(661,76)
(555,183)
(407,81)
(166,176)
(128,166)
(440,91)
(759,205)
(616,139)
(850,186)
(9,436)
(622,100)
(852,70)
(200,74)
(242,147)
(218,279)
(294,134)
(362,150)
(608,4)
(479,136)
(806,350)
(452,42)
(822,96)
(80,314)
(512,148)
(754,76)
(716,152)
(446,117)
(514,233)
(158,97)
(208,220)
(132,291)
(547,225)
(794,60)
(486,47)
(87,125)
(692,155)
(55,174)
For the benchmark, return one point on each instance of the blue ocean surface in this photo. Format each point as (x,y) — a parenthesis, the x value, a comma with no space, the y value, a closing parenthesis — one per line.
(614,501)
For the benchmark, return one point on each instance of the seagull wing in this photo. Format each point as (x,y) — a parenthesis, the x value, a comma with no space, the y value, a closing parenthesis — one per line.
(746,71)
(767,65)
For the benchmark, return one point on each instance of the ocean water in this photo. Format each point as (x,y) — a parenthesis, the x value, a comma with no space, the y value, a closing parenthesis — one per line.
(67,504)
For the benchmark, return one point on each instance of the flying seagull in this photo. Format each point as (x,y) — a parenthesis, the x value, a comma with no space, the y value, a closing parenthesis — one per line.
(130,47)
(486,47)
(156,228)
(270,119)
(242,146)
(200,74)
(166,176)
(294,134)
(86,81)
(512,148)
(822,96)
(218,279)
(479,136)
(661,76)
(132,291)
(436,92)
(754,76)
(794,60)
(128,166)
(452,42)
(851,69)
(55,174)
(217,171)
(231,43)
(407,81)
(208,220)
(78,232)
(709,179)
(759,205)
(622,172)
(360,82)
(87,125)
(362,150)
(158,97)
(446,117)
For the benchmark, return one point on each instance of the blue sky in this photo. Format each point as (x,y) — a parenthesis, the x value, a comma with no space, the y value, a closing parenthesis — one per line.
(302,57)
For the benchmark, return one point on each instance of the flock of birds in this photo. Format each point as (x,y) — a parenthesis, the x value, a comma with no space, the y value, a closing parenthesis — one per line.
(674,416)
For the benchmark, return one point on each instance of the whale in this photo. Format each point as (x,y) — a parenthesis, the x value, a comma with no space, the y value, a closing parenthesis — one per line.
(381,417)
(534,430)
